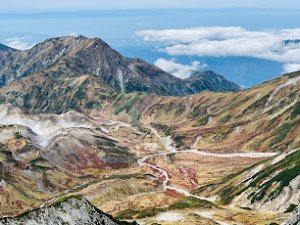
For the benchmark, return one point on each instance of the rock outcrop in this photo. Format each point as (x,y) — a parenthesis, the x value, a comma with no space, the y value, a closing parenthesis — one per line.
(74,211)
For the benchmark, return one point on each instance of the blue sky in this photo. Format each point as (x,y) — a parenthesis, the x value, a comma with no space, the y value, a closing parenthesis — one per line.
(21,5)
(141,29)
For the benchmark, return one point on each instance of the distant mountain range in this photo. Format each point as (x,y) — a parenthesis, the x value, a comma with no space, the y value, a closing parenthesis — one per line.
(74,56)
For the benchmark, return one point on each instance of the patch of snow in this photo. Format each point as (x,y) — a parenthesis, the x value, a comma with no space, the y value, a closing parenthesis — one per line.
(169,217)
(206,214)
(237,129)
(98,71)
(210,215)
(232,155)
(278,159)
(38,179)
(132,67)
(3,183)
(196,142)
(291,81)
(151,146)
(105,130)
(121,79)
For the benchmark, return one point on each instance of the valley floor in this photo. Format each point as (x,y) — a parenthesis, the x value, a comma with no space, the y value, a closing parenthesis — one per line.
(157,189)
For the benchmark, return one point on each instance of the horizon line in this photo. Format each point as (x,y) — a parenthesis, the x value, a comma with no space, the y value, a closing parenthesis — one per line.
(29,11)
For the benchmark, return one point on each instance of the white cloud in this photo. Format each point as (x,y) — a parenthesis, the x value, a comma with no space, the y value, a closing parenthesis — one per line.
(177,69)
(277,45)
(18,43)
(288,68)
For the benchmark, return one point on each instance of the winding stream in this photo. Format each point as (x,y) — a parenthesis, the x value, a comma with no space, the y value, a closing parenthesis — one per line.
(168,143)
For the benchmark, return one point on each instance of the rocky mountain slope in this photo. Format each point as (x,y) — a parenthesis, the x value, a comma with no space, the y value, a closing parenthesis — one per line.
(272,185)
(73,211)
(4,53)
(210,81)
(264,118)
(43,156)
(295,218)
(74,56)
(4,48)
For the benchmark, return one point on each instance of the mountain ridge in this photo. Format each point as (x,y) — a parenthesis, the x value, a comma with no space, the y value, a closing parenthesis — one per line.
(81,55)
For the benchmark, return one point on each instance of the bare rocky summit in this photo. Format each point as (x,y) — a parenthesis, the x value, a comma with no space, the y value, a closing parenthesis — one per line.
(73,211)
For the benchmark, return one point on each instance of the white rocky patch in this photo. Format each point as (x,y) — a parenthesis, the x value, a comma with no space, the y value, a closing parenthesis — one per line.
(289,195)
(295,218)
(72,212)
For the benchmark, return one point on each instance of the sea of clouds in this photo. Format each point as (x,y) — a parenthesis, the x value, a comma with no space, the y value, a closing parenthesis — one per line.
(280,45)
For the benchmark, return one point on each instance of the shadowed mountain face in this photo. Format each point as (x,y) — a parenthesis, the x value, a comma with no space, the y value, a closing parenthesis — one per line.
(4,53)
(73,56)
(4,48)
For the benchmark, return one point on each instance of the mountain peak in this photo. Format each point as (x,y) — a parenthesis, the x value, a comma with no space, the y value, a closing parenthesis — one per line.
(74,40)
(76,56)
(205,73)
(209,80)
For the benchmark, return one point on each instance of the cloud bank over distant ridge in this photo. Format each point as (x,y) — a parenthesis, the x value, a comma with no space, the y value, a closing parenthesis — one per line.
(18,43)
(276,45)
(177,69)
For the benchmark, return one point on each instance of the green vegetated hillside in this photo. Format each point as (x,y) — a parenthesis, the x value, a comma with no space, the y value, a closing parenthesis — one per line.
(269,185)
